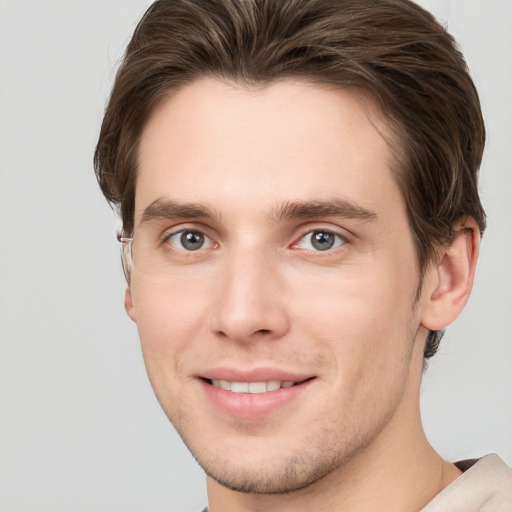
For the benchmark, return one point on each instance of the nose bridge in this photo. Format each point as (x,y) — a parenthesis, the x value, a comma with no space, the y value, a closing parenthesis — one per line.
(250,295)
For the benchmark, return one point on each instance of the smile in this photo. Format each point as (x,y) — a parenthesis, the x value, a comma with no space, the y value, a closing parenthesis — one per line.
(252,387)
(249,397)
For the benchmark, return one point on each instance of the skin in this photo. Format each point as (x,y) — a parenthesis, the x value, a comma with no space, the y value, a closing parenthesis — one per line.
(258,295)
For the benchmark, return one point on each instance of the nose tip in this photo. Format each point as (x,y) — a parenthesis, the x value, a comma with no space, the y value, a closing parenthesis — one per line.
(243,319)
(250,304)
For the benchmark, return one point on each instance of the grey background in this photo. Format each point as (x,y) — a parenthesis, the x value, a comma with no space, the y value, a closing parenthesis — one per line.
(80,429)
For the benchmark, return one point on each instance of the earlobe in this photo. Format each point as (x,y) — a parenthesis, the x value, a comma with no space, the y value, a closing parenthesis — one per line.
(128,304)
(451,278)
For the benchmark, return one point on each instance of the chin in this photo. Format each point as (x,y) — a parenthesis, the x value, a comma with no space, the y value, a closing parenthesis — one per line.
(271,471)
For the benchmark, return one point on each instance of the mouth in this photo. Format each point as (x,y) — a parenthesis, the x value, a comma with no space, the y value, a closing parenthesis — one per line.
(252,397)
(254,387)
(250,394)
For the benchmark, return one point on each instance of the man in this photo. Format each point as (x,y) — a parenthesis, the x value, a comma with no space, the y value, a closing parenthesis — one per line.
(298,187)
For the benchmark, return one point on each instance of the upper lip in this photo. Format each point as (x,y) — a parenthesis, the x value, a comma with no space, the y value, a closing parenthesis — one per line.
(253,375)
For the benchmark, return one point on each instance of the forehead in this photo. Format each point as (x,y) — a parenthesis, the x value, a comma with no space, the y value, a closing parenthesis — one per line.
(219,142)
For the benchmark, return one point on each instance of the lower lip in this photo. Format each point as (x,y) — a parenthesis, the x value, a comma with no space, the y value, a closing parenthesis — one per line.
(252,405)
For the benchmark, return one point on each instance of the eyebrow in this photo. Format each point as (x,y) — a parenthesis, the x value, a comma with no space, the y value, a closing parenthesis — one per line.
(336,207)
(164,208)
(171,209)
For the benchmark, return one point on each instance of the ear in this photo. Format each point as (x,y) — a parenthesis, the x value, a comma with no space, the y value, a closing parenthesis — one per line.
(128,304)
(449,281)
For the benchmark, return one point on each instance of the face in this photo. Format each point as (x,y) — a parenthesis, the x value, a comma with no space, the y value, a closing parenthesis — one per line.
(274,279)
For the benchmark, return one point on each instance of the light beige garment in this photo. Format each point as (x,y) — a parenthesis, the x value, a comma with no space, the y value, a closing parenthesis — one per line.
(484,487)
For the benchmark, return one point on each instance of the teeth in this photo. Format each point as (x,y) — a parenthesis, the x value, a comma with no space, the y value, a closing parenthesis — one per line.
(252,387)
(273,385)
(224,384)
(240,387)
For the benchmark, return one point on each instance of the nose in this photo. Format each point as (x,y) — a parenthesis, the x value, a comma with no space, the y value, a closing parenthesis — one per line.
(251,300)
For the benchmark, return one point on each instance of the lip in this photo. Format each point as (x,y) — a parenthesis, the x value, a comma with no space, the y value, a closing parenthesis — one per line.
(254,375)
(248,405)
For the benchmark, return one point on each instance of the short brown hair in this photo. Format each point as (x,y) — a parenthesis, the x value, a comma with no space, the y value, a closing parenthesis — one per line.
(393,50)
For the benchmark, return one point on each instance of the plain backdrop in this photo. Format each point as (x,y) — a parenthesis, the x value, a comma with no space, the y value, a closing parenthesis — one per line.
(80,429)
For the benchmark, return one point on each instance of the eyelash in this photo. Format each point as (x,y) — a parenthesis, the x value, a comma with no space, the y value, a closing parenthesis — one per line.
(339,240)
(169,236)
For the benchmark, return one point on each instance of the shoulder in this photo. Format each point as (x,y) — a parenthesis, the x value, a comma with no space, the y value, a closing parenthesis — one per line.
(486,484)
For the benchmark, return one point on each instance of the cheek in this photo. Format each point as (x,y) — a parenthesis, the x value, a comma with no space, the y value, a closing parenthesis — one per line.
(365,320)
(169,318)
(352,302)
(368,333)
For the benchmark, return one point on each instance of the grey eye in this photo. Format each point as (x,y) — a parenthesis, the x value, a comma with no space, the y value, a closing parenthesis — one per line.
(189,240)
(192,240)
(320,240)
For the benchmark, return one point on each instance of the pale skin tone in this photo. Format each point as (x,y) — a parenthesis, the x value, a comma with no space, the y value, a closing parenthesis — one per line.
(258,173)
